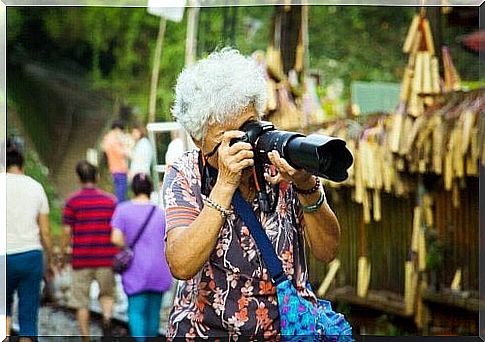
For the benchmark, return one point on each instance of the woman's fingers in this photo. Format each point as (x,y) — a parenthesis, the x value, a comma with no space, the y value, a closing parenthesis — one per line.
(273,179)
(281,164)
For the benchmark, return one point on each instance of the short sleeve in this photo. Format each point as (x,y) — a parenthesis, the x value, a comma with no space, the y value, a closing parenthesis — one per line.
(117,220)
(44,203)
(181,207)
(68,217)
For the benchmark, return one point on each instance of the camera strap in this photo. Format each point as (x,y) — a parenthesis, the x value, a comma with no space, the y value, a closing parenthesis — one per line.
(246,213)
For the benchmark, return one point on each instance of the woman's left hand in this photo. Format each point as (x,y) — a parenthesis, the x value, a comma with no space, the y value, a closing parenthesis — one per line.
(301,178)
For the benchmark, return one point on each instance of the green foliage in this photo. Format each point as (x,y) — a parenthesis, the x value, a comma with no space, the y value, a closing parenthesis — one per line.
(358,43)
(436,251)
(114,46)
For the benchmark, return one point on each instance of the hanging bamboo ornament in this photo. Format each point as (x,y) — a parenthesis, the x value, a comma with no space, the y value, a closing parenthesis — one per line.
(366,207)
(435,75)
(426,69)
(452,79)
(469,118)
(418,74)
(474,154)
(428,37)
(448,170)
(409,287)
(271,103)
(456,283)
(359,182)
(299,57)
(397,123)
(411,36)
(421,250)
(376,205)
(273,62)
(406,85)
(415,105)
(438,134)
(416,229)
(329,277)
(415,49)
(458,160)
(363,276)
(408,126)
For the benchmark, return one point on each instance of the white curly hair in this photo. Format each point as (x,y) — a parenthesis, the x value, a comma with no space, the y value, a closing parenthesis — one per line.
(216,89)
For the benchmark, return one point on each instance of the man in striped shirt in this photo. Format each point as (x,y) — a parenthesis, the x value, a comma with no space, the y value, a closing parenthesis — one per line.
(86,217)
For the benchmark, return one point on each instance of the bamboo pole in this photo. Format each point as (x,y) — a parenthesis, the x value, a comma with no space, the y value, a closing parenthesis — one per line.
(191,39)
(411,36)
(156,70)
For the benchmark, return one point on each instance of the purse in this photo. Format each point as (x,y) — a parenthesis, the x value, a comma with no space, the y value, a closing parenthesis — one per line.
(298,317)
(122,259)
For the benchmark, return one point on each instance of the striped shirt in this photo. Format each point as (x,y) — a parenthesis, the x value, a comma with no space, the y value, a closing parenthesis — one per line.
(89,212)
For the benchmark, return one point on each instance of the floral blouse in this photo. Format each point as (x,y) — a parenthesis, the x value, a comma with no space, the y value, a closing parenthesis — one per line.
(232,294)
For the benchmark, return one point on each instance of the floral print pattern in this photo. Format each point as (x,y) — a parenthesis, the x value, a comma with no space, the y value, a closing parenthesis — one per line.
(233,294)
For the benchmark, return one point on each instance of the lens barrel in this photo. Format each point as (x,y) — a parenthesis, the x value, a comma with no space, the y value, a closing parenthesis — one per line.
(320,155)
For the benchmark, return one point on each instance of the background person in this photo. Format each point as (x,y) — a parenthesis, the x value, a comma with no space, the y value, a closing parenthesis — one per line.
(86,217)
(227,290)
(28,239)
(117,148)
(142,152)
(148,276)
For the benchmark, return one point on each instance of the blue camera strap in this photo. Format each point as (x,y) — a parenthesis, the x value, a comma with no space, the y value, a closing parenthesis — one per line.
(246,213)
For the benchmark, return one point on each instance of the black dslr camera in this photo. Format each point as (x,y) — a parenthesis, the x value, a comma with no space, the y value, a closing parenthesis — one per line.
(318,154)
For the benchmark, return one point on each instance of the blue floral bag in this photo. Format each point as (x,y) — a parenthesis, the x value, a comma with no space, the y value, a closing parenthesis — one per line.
(301,319)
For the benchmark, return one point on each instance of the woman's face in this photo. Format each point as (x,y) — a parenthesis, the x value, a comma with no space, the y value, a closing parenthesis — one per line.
(135,134)
(215,132)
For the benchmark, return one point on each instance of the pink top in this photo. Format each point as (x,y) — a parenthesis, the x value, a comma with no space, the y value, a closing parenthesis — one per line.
(115,151)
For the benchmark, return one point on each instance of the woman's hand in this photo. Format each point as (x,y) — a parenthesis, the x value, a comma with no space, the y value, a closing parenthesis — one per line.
(301,178)
(232,160)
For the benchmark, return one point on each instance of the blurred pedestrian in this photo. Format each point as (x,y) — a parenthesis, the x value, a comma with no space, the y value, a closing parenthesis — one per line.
(142,153)
(117,148)
(86,217)
(28,239)
(175,148)
(141,225)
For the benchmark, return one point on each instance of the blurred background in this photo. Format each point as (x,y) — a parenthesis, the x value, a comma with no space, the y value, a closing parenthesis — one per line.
(402,85)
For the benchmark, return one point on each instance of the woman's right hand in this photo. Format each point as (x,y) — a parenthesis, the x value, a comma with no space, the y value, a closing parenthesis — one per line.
(232,160)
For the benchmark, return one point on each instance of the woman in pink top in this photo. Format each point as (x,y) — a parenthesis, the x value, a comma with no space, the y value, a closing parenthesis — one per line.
(116,148)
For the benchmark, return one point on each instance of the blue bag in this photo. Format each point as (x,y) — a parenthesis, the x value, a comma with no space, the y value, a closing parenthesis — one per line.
(299,318)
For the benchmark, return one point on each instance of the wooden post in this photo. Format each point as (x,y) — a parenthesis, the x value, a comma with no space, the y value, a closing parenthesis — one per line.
(156,71)
(191,39)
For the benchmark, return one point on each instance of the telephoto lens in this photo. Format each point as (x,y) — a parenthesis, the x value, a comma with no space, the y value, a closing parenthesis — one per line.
(319,154)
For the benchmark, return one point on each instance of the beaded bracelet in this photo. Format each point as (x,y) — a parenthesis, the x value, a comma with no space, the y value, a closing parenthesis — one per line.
(310,191)
(223,211)
(314,207)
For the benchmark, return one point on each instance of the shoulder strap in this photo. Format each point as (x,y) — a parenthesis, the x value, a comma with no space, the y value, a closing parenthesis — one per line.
(140,231)
(244,210)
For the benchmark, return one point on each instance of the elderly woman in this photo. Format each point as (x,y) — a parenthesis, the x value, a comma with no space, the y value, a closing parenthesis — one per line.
(226,287)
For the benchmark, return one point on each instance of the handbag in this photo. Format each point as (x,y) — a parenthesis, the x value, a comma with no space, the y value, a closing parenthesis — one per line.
(122,259)
(298,316)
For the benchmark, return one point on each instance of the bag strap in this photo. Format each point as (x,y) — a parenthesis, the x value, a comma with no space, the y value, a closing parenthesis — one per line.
(245,211)
(140,231)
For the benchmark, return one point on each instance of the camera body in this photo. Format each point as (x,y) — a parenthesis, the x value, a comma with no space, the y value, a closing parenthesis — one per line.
(320,155)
